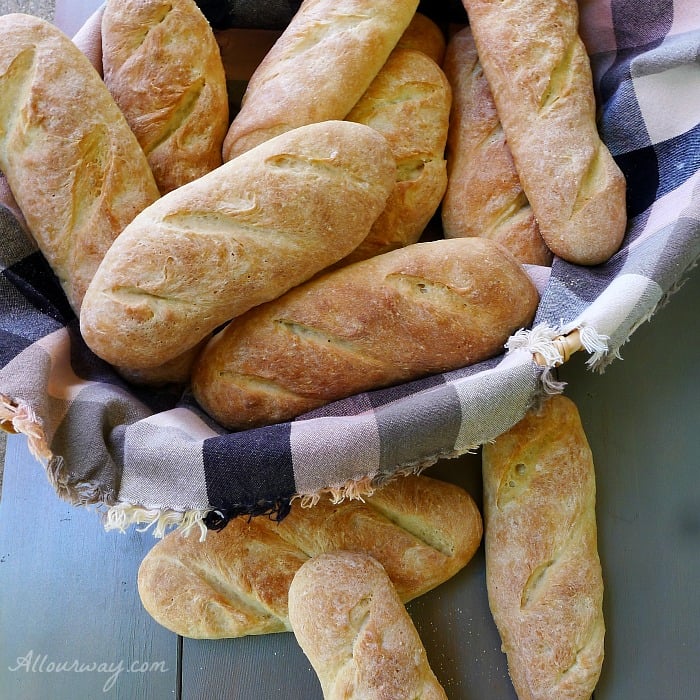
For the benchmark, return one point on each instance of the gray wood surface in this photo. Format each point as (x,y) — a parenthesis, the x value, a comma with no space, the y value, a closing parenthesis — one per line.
(68,600)
(642,418)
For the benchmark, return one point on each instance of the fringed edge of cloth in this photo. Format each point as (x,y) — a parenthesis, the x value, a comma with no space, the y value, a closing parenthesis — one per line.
(19,418)
(551,348)
(124,515)
(359,489)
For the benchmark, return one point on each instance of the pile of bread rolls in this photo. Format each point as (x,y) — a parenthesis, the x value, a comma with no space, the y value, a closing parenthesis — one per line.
(338,575)
(280,257)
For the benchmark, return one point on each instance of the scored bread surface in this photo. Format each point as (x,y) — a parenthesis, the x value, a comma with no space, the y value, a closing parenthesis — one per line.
(356,633)
(72,163)
(319,67)
(422,309)
(543,572)
(236,581)
(540,77)
(484,196)
(163,66)
(409,104)
(236,237)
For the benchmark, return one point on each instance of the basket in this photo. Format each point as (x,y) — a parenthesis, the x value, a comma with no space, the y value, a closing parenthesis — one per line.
(148,457)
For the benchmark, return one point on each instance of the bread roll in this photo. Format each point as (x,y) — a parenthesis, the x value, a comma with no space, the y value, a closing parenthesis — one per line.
(319,67)
(236,581)
(175,371)
(409,104)
(423,309)
(484,196)
(422,34)
(540,77)
(543,573)
(73,165)
(163,67)
(356,633)
(236,237)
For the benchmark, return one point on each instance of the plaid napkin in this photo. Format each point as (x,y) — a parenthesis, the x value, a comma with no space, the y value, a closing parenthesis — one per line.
(153,457)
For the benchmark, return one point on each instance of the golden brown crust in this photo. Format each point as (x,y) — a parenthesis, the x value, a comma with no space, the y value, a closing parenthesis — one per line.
(543,572)
(484,196)
(356,633)
(236,237)
(422,34)
(233,584)
(236,582)
(319,67)
(422,309)
(163,67)
(540,77)
(77,174)
(409,104)
(175,371)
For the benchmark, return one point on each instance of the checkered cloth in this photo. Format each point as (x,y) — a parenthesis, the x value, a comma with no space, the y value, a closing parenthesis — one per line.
(153,457)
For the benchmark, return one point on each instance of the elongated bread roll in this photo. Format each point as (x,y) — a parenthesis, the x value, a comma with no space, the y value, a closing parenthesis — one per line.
(543,573)
(72,163)
(356,633)
(236,581)
(422,309)
(484,196)
(317,70)
(409,104)
(540,77)
(236,237)
(163,67)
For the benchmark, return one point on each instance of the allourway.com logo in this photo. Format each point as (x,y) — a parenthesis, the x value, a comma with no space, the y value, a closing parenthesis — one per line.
(40,663)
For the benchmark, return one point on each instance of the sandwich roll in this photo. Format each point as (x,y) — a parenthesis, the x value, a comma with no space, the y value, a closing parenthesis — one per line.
(77,173)
(318,68)
(426,308)
(540,77)
(543,573)
(162,65)
(484,196)
(409,104)
(235,238)
(356,632)
(236,581)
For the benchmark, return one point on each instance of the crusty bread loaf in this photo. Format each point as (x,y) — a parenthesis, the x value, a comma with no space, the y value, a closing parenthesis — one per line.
(543,573)
(236,581)
(540,77)
(356,633)
(236,237)
(319,67)
(422,34)
(409,104)
(163,67)
(484,196)
(422,309)
(73,165)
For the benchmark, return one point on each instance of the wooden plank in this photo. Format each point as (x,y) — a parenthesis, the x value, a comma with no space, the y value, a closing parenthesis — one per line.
(255,667)
(68,599)
(642,418)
